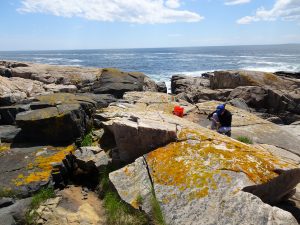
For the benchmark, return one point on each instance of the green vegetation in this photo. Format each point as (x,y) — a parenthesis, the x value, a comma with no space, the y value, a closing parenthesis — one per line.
(245,139)
(139,200)
(37,199)
(118,212)
(87,140)
(158,218)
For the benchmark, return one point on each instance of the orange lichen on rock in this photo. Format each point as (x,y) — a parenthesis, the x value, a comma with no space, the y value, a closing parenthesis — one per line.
(42,165)
(199,159)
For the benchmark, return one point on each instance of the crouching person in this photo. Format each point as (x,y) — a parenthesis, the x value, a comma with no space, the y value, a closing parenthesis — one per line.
(221,120)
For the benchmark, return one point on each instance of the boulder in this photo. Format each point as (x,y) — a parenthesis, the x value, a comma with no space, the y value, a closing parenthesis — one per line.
(102,100)
(137,136)
(288,74)
(90,159)
(50,74)
(8,133)
(196,89)
(31,168)
(116,82)
(4,202)
(8,113)
(132,126)
(68,118)
(55,88)
(15,214)
(14,90)
(239,103)
(162,87)
(278,102)
(275,119)
(182,83)
(63,123)
(235,78)
(5,72)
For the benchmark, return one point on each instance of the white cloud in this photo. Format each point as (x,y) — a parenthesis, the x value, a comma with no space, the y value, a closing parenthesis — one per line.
(173,4)
(132,11)
(282,9)
(236,2)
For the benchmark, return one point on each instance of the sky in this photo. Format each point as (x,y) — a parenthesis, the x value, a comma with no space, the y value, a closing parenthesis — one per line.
(109,24)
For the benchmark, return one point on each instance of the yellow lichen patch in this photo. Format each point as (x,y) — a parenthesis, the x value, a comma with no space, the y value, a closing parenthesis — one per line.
(42,165)
(135,204)
(4,147)
(197,164)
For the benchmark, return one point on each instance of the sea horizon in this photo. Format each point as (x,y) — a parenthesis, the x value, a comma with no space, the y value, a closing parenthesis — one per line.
(161,63)
(134,48)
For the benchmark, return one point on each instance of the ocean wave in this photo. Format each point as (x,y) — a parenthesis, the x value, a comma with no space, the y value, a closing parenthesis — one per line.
(291,68)
(74,60)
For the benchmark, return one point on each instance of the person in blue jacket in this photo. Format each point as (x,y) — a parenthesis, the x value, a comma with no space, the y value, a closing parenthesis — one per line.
(221,120)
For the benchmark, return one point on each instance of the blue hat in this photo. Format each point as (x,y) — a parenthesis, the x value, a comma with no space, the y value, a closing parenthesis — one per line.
(220,109)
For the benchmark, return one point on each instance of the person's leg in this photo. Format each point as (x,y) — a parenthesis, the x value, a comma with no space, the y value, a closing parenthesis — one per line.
(214,121)
(225,130)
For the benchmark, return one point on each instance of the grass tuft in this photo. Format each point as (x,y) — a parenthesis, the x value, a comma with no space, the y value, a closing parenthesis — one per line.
(139,200)
(158,218)
(245,139)
(37,199)
(87,140)
(118,212)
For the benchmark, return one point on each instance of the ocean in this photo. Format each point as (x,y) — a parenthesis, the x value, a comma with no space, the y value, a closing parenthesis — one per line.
(161,63)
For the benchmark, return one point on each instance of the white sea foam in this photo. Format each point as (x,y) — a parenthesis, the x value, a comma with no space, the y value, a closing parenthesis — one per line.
(291,68)
(74,60)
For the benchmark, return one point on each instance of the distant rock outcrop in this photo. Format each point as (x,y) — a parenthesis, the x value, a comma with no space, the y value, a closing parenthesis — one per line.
(116,82)
(270,95)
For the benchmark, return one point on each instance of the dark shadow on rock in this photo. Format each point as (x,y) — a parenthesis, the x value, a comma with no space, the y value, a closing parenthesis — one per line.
(291,207)
(277,191)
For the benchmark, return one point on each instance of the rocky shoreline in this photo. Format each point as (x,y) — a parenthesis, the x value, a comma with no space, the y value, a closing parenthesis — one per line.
(63,126)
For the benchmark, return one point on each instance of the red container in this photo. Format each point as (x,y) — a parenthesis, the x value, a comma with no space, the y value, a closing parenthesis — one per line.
(178,111)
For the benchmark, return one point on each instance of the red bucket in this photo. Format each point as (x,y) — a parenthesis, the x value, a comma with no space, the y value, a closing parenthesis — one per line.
(178,111)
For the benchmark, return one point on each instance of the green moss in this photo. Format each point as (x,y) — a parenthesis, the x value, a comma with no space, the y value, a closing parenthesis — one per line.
(158,218)
(37,199)
(87,140)
(244,139)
